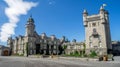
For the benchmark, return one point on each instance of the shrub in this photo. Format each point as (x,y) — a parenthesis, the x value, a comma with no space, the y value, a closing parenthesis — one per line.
(76,53)
(71,53)
(93,54)
(85,55)
(16,54)
(21,55)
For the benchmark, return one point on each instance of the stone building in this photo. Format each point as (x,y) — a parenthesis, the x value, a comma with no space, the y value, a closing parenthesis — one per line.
(116,48)
(97,31)
(33,43)
(4,51)
(72,47)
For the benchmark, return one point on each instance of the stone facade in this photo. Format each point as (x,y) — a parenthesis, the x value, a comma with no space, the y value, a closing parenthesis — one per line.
(4,51)
(72,47)
(116,48)
(32,43)
(97,38)
(97,31)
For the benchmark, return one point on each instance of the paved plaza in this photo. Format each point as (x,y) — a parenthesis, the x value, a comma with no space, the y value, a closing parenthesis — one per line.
(55,62)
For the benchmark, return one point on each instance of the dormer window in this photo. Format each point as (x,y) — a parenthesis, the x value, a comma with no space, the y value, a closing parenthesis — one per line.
(43,36)
(52,37)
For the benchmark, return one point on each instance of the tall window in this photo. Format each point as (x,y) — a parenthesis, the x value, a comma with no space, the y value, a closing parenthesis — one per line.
(89,24)
(100,44)
(90,44)
(98,23)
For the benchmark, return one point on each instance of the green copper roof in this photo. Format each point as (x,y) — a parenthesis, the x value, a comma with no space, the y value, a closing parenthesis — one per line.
(30,19)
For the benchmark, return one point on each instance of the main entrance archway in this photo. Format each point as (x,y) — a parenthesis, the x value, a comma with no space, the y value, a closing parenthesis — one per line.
(5,53)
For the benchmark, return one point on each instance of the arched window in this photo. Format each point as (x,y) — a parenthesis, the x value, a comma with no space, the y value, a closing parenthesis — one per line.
(93,24)
(90,44)
(100,44)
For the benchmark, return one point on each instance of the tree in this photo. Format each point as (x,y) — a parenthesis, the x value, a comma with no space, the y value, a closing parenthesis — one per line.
(84,48)
(64,47)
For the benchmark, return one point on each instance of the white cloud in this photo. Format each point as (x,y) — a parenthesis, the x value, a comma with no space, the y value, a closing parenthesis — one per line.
(104,5)
(15,9)
(51,2)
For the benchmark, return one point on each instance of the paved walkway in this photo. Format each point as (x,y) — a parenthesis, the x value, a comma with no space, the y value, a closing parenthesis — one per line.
(55,62)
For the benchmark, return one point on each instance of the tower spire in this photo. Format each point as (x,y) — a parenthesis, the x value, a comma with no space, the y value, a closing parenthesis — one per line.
(85,11)
(30,26)
(103,6)
(30,19)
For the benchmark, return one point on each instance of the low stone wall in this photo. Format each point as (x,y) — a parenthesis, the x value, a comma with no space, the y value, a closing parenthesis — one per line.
(99,51)
(83,59)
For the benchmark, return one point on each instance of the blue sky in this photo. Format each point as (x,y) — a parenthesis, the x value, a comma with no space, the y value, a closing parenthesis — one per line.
(64,17)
